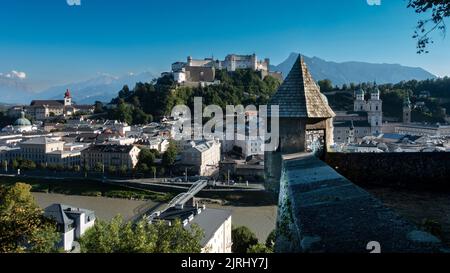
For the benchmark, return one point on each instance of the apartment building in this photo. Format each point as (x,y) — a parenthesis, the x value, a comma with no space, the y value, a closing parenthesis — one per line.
(110,155)
(49,151)
(203,155)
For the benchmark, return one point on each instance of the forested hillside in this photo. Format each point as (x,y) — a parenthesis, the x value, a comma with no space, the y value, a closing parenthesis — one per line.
(147,101)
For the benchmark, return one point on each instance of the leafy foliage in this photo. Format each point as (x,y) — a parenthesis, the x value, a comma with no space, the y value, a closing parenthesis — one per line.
(259,248)
(325,85)
(440,9)
(243,238)
(156,99)
(170,155)
(23,228)
(119,237)
(393,96)
(270,241)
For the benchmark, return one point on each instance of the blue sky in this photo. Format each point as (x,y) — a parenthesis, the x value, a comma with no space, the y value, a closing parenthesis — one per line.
(56,43)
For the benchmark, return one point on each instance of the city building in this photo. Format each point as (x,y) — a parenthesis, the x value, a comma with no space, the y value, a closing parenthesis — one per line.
(43,109)
(215,223)
(204,156)
(250,145)
(110,155)
(47,150)
(420,129)
(71,222)
(366,119)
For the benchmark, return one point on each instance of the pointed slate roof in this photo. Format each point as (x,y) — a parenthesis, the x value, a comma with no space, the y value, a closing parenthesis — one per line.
(299,96)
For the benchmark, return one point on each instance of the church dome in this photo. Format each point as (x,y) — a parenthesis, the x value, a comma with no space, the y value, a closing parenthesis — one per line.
(22,121)
(360,92)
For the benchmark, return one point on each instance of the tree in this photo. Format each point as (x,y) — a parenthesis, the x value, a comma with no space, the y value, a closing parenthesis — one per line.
(325,85)
(440,9)
(15,164)
(153,170)
(270,241)
(116,236)
(23,228)
(170,155)
(112,169)
(98,108)
(146,156)
(27,165)
(259,248)
(143,167)
(123,169)
(124,112)
(98,167)
(243,238)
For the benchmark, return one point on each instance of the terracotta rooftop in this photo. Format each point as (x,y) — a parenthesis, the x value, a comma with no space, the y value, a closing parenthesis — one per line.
(299,96)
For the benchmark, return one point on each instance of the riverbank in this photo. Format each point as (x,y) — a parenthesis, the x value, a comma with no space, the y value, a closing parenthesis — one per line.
(105,208)
(84,187)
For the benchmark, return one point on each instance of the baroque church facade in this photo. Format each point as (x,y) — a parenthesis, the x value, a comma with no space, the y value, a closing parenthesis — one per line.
(366,119)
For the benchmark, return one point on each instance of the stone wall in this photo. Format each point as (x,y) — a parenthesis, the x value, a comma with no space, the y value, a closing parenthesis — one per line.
(321,211)
(393,169)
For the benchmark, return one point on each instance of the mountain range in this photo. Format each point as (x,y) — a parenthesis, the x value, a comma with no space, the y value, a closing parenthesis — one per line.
(356,72)
(101,88)
(15,87)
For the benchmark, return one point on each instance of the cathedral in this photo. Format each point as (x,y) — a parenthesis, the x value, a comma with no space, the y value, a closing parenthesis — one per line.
(366,119)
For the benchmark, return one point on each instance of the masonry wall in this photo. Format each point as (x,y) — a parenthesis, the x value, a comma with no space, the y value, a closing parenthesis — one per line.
(393,169)
(322,211)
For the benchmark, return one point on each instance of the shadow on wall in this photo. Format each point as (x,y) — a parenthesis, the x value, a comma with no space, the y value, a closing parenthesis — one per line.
(412,170)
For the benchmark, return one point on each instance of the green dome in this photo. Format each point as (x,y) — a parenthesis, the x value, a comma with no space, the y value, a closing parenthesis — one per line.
(375,90)
(360,92)
(22,121)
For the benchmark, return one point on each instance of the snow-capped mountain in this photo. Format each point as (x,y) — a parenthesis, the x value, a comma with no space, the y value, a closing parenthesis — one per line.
(101,88)
(14,86)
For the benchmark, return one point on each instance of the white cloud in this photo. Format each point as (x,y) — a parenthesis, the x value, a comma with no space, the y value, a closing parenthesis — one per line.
(14,75)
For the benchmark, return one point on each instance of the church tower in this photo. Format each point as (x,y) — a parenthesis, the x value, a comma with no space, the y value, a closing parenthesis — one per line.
(359,102)
(374,111)
(67,98)
(406,110)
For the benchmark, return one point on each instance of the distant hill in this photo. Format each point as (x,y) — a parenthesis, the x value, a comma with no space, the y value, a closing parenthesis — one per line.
(356,72)
(14,88)
(102,88)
